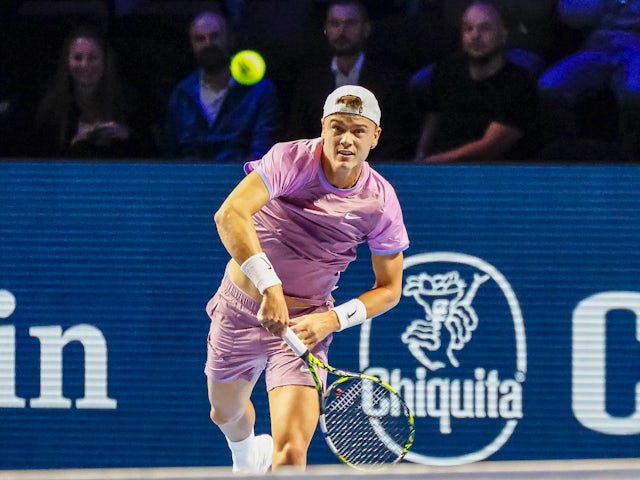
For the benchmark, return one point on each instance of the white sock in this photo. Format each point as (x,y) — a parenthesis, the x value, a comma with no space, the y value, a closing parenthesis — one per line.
(241,450)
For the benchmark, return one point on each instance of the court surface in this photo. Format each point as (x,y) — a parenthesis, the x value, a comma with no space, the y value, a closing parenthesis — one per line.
(619,469)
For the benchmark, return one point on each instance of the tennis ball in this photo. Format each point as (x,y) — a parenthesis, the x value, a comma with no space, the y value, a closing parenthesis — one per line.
(247,67)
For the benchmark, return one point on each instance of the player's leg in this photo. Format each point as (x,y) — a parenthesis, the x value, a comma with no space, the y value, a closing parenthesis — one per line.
(294,413)
(233,412)
(231,408)
(235,360)
(293,399)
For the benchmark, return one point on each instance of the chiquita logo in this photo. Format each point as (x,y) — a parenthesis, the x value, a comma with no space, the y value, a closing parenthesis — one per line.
(455,348)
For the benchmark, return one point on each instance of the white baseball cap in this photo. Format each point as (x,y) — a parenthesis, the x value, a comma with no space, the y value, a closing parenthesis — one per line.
(367,107)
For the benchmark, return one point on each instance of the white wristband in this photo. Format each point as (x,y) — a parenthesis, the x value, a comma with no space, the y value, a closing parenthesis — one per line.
(260,271)
(351,313)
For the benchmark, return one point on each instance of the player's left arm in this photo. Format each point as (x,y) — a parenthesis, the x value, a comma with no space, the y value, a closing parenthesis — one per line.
(387,290)
(383,296)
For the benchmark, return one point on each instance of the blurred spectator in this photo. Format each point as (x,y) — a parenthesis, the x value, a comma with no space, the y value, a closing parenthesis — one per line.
(482,106)
(209,115)
(87,111)
(526,37)
(420,81)
(609,59)
(347,29)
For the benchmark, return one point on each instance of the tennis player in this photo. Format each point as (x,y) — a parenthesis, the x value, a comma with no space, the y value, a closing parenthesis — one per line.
(292,226)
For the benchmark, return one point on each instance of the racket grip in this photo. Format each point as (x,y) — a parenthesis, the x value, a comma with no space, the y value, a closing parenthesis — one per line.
(297,345)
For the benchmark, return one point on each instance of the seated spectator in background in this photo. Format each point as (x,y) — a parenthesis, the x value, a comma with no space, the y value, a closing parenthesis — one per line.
(347,28)
(209,115)
(517,53)
(609,59)
(87,111)
(482,106)
(420,82)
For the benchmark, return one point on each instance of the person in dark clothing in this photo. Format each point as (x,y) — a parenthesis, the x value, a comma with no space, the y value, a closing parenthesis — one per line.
(212,117)
(482,106)
(88,110)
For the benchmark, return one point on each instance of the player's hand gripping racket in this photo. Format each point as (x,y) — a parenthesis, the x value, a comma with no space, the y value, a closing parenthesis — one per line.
(364,420)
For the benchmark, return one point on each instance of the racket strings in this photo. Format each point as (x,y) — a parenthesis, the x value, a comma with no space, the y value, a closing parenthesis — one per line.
(364,423)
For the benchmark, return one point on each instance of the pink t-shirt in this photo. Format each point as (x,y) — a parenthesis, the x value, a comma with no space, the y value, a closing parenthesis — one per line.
(310,229)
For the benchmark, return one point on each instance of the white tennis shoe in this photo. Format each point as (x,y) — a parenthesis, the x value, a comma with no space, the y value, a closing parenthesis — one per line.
(261,456)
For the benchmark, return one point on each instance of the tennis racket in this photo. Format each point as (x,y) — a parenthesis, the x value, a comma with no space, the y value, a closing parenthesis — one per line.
(364,420)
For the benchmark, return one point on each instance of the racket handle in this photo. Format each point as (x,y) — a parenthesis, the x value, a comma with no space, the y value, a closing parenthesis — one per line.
(297,345)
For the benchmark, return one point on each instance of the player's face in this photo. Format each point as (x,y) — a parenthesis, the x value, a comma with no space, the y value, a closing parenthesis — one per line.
(86,61)
(346,29)
(483,33)
(348,139)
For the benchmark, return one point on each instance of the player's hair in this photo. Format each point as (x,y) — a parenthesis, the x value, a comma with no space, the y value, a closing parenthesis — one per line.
(351,101)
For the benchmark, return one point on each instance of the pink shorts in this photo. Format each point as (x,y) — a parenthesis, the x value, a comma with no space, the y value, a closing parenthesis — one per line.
(238,347)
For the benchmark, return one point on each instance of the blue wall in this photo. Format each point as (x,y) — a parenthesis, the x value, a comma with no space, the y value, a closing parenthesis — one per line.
(518,335)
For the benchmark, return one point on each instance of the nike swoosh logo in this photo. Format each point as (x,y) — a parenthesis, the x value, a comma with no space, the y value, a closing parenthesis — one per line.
(351,216)
(349,315)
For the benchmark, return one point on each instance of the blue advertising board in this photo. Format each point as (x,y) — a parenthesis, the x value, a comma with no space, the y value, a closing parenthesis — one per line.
(517,336)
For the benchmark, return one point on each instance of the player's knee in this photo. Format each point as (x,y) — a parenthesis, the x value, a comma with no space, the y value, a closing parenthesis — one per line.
(221,416)
(290,454)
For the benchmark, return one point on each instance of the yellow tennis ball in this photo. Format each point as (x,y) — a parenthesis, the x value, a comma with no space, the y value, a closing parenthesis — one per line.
(248,67)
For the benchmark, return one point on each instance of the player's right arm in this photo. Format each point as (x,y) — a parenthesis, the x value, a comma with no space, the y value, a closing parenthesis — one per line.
(234,217)
(238,235)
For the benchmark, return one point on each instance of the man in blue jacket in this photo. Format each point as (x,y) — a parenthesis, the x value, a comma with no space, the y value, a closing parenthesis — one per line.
(212,117)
